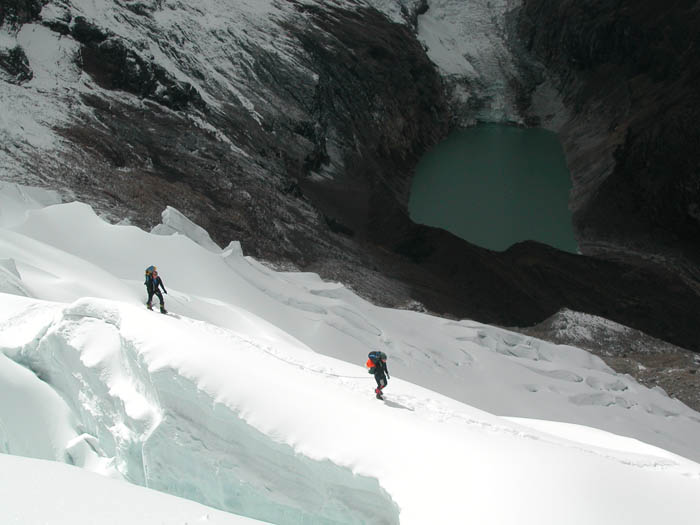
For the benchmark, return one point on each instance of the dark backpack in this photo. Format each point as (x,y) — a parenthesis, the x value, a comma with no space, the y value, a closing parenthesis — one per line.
(375,357)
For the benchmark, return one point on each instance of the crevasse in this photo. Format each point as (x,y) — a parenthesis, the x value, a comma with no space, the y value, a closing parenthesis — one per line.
(161,431)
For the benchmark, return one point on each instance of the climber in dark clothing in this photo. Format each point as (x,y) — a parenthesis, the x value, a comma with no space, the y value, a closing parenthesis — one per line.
(153,283)
(380,371)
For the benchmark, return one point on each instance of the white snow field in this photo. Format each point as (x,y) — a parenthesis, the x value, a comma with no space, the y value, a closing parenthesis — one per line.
(46,492)
(252,397)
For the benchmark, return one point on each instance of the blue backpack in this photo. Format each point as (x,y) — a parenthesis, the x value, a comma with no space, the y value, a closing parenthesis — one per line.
(149,273)
(374,357)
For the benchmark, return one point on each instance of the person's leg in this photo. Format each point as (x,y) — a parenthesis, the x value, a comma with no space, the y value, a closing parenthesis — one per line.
(160,298)
(381,383)
(149,302)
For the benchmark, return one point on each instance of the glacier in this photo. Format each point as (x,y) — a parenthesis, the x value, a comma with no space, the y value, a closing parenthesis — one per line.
(251,397)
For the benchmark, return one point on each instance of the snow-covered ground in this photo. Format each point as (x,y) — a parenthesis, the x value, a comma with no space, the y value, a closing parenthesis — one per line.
(38,491)
(252,397)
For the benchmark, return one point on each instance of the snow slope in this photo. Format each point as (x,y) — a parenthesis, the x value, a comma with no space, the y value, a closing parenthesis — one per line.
(35,491)
(252,396)
(468,43)
(212,47)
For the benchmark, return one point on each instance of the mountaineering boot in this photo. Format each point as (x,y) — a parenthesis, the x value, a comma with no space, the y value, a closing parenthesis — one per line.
(163,310)
(380,396)
(149,306)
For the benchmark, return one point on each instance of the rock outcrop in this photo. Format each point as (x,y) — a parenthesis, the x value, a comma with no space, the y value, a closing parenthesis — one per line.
(14,66)
(17,12)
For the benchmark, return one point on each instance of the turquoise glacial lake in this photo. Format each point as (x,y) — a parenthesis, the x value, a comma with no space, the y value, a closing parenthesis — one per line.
(495,185)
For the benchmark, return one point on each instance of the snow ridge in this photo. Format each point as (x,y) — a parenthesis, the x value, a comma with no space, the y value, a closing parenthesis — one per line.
(165,431)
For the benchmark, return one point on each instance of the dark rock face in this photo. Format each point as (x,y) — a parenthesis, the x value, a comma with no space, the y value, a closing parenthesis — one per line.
(380,93)
(628,74)
(142,8)
(18,12)
(113,65)
(15,66)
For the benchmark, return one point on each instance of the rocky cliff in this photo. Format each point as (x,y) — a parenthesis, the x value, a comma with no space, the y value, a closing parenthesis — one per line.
(626,76)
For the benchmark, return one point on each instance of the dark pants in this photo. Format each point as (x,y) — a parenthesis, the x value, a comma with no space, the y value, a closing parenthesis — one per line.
(151,293)
(381,383)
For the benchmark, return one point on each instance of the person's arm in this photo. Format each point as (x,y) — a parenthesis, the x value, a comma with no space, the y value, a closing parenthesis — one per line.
(386,369)
(160,281)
